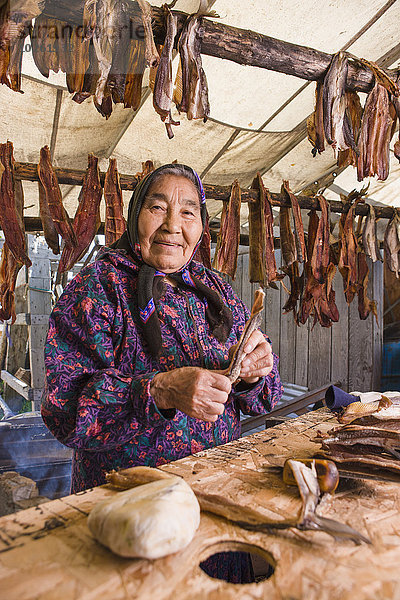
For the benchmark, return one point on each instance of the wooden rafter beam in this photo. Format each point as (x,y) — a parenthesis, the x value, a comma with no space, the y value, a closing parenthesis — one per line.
(242,46)
(28,172)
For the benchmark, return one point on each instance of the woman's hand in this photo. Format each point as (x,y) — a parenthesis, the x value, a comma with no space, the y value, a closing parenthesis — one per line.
(258,361)
(197,392)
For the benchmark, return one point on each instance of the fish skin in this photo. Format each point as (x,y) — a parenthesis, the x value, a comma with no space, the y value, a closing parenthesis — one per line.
(226,253)
(115,224)
(57,211)
(11,214)
(87,217)
(369,237)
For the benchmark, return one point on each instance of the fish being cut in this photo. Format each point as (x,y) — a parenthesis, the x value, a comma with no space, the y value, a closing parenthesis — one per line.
(226,253)
(115,224)
(11,215)
(87,217)
(55,205)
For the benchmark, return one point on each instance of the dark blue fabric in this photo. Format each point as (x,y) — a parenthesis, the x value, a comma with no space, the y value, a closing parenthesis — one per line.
(335,398)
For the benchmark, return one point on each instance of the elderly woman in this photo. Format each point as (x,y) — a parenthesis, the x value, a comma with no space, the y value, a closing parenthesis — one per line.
(139,340)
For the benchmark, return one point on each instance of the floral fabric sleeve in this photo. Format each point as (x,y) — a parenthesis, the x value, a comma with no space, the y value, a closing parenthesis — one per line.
(90,403)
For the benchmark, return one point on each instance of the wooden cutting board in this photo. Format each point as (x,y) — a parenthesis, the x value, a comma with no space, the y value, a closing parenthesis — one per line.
(48,553)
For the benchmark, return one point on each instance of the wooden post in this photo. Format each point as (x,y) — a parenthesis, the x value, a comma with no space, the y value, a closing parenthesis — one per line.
(39,306)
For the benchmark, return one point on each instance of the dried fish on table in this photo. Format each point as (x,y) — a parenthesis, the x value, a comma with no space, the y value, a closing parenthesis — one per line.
(11,214)
(15,24)
(391,243)
(315,123)
(87,217)
(163,85)
(226,253)
(376,132)
(57,211)
(115,224)
(337,125)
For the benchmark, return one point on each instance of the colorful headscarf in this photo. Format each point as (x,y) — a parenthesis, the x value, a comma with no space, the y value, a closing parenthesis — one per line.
(150,280)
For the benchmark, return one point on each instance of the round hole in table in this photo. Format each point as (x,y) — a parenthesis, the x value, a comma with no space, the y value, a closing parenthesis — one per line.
(213,562)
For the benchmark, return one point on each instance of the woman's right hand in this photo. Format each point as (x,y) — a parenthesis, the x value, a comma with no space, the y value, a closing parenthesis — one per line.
(197,392)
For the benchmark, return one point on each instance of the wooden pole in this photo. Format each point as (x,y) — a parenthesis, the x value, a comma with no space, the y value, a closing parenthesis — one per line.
(242,46)
(28,172)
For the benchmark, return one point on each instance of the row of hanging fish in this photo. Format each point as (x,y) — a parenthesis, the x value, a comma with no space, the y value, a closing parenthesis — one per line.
(105,59)
(360,136)
(77,234)
(310,261)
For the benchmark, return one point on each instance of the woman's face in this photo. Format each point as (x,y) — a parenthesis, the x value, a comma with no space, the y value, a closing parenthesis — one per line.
(169,223)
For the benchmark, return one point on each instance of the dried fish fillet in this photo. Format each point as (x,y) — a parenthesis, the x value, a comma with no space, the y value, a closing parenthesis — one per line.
(226,253)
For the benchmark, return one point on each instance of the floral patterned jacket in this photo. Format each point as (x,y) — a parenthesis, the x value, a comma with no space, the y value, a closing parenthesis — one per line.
(99,372)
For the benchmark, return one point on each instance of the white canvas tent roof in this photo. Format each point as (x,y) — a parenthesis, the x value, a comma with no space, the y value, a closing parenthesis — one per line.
(257,116)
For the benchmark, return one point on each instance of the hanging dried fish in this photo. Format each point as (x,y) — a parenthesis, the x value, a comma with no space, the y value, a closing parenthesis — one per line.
(194,83)
(391,243)
(9,265)
(296,286)
(369,237)
(226,253)
(15,24)
(108,26)
(134,77)
(256,238)
(163,85)
(381,77)
(152,56)
(320,253)
(78,60)
(337,125)
(49,229)
(355,111)
(203,253)
(55,205)
(114,225)
(315,123)
(288,247)
(365,304)
(87,217)
(376,132)
(348,265)
(51,45)
(11,215)
(271,272)
(301,252)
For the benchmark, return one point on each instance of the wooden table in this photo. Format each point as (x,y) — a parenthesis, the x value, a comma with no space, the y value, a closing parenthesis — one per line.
(48,553)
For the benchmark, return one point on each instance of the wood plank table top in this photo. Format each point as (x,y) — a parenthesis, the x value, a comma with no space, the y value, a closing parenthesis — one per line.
(48,553)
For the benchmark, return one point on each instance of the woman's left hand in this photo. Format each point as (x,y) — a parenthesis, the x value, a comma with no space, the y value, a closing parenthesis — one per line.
(258,361)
